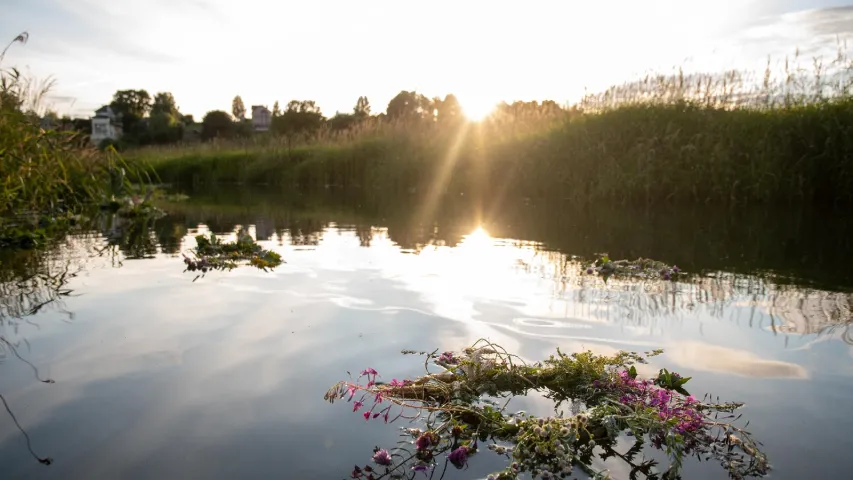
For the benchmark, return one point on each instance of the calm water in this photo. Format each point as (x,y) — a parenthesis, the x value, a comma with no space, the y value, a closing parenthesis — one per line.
(157,376)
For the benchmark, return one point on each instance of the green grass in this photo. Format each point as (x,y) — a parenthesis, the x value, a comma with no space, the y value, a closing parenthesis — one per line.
(785,138)
(673,152)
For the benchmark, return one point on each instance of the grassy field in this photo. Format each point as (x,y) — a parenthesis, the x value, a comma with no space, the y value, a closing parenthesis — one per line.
(785,138)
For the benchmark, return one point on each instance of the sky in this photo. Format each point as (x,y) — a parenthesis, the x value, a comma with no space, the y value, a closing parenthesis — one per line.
(332,51)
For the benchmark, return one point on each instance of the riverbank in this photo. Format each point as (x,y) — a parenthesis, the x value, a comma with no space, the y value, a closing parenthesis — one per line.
(665,152)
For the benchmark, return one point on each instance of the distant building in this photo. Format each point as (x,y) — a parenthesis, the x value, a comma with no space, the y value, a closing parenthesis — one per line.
(106,124)
(261,118)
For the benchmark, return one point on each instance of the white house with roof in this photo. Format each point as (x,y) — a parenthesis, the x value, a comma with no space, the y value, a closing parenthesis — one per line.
(261,118)
(106,124)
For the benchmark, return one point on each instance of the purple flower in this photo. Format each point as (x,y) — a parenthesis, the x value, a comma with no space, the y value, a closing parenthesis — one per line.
(675,269)
(356,405)
(459,457)
(382,457)
(589,271)
(447,357)
(667,276)
(426,440)
(421,467)
(423,442)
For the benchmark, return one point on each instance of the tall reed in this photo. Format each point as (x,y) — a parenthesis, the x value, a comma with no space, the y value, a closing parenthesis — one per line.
(45,172)
(781,136)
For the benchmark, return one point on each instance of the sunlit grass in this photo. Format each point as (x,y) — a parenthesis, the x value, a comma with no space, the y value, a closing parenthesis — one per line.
(784,135)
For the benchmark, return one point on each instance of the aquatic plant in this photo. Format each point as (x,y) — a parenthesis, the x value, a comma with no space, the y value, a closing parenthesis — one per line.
(640,268)
(211,253)
(459,413)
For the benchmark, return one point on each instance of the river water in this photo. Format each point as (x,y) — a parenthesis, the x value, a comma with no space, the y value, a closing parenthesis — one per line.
(159,376)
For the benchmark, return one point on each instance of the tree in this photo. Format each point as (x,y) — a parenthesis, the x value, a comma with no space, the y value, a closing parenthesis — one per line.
(448,109)
(276,110)
(300,117)
(132,105)
(303,106)
(187,119)
(342,121)
(237,108)
(165,128)
(131,102)
(215,124)
(409,106)
(164,102)
(362,107)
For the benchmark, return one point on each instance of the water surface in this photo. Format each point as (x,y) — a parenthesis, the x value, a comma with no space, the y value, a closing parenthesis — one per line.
(157,376)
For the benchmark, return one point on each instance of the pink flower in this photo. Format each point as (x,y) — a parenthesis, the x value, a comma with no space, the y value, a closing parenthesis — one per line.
(351,389)
(377,398)
(369,371)
(356,405)
(447,357)
(367,415)
(382,457)
(395,383)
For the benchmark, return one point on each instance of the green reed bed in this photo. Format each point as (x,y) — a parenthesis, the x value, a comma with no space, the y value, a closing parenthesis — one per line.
(728,138)
(48,177)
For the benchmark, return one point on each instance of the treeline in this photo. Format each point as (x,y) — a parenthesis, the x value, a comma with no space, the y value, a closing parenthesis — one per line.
(145,120)
(304,117)
(149,121)
(158,120)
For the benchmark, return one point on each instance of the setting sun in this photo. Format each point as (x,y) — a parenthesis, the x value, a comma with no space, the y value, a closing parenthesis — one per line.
(476,109)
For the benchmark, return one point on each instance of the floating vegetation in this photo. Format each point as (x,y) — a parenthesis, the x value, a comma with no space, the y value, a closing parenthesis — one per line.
(639,268)
(460,415)
(133,206)
(212,253)
(29,231)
